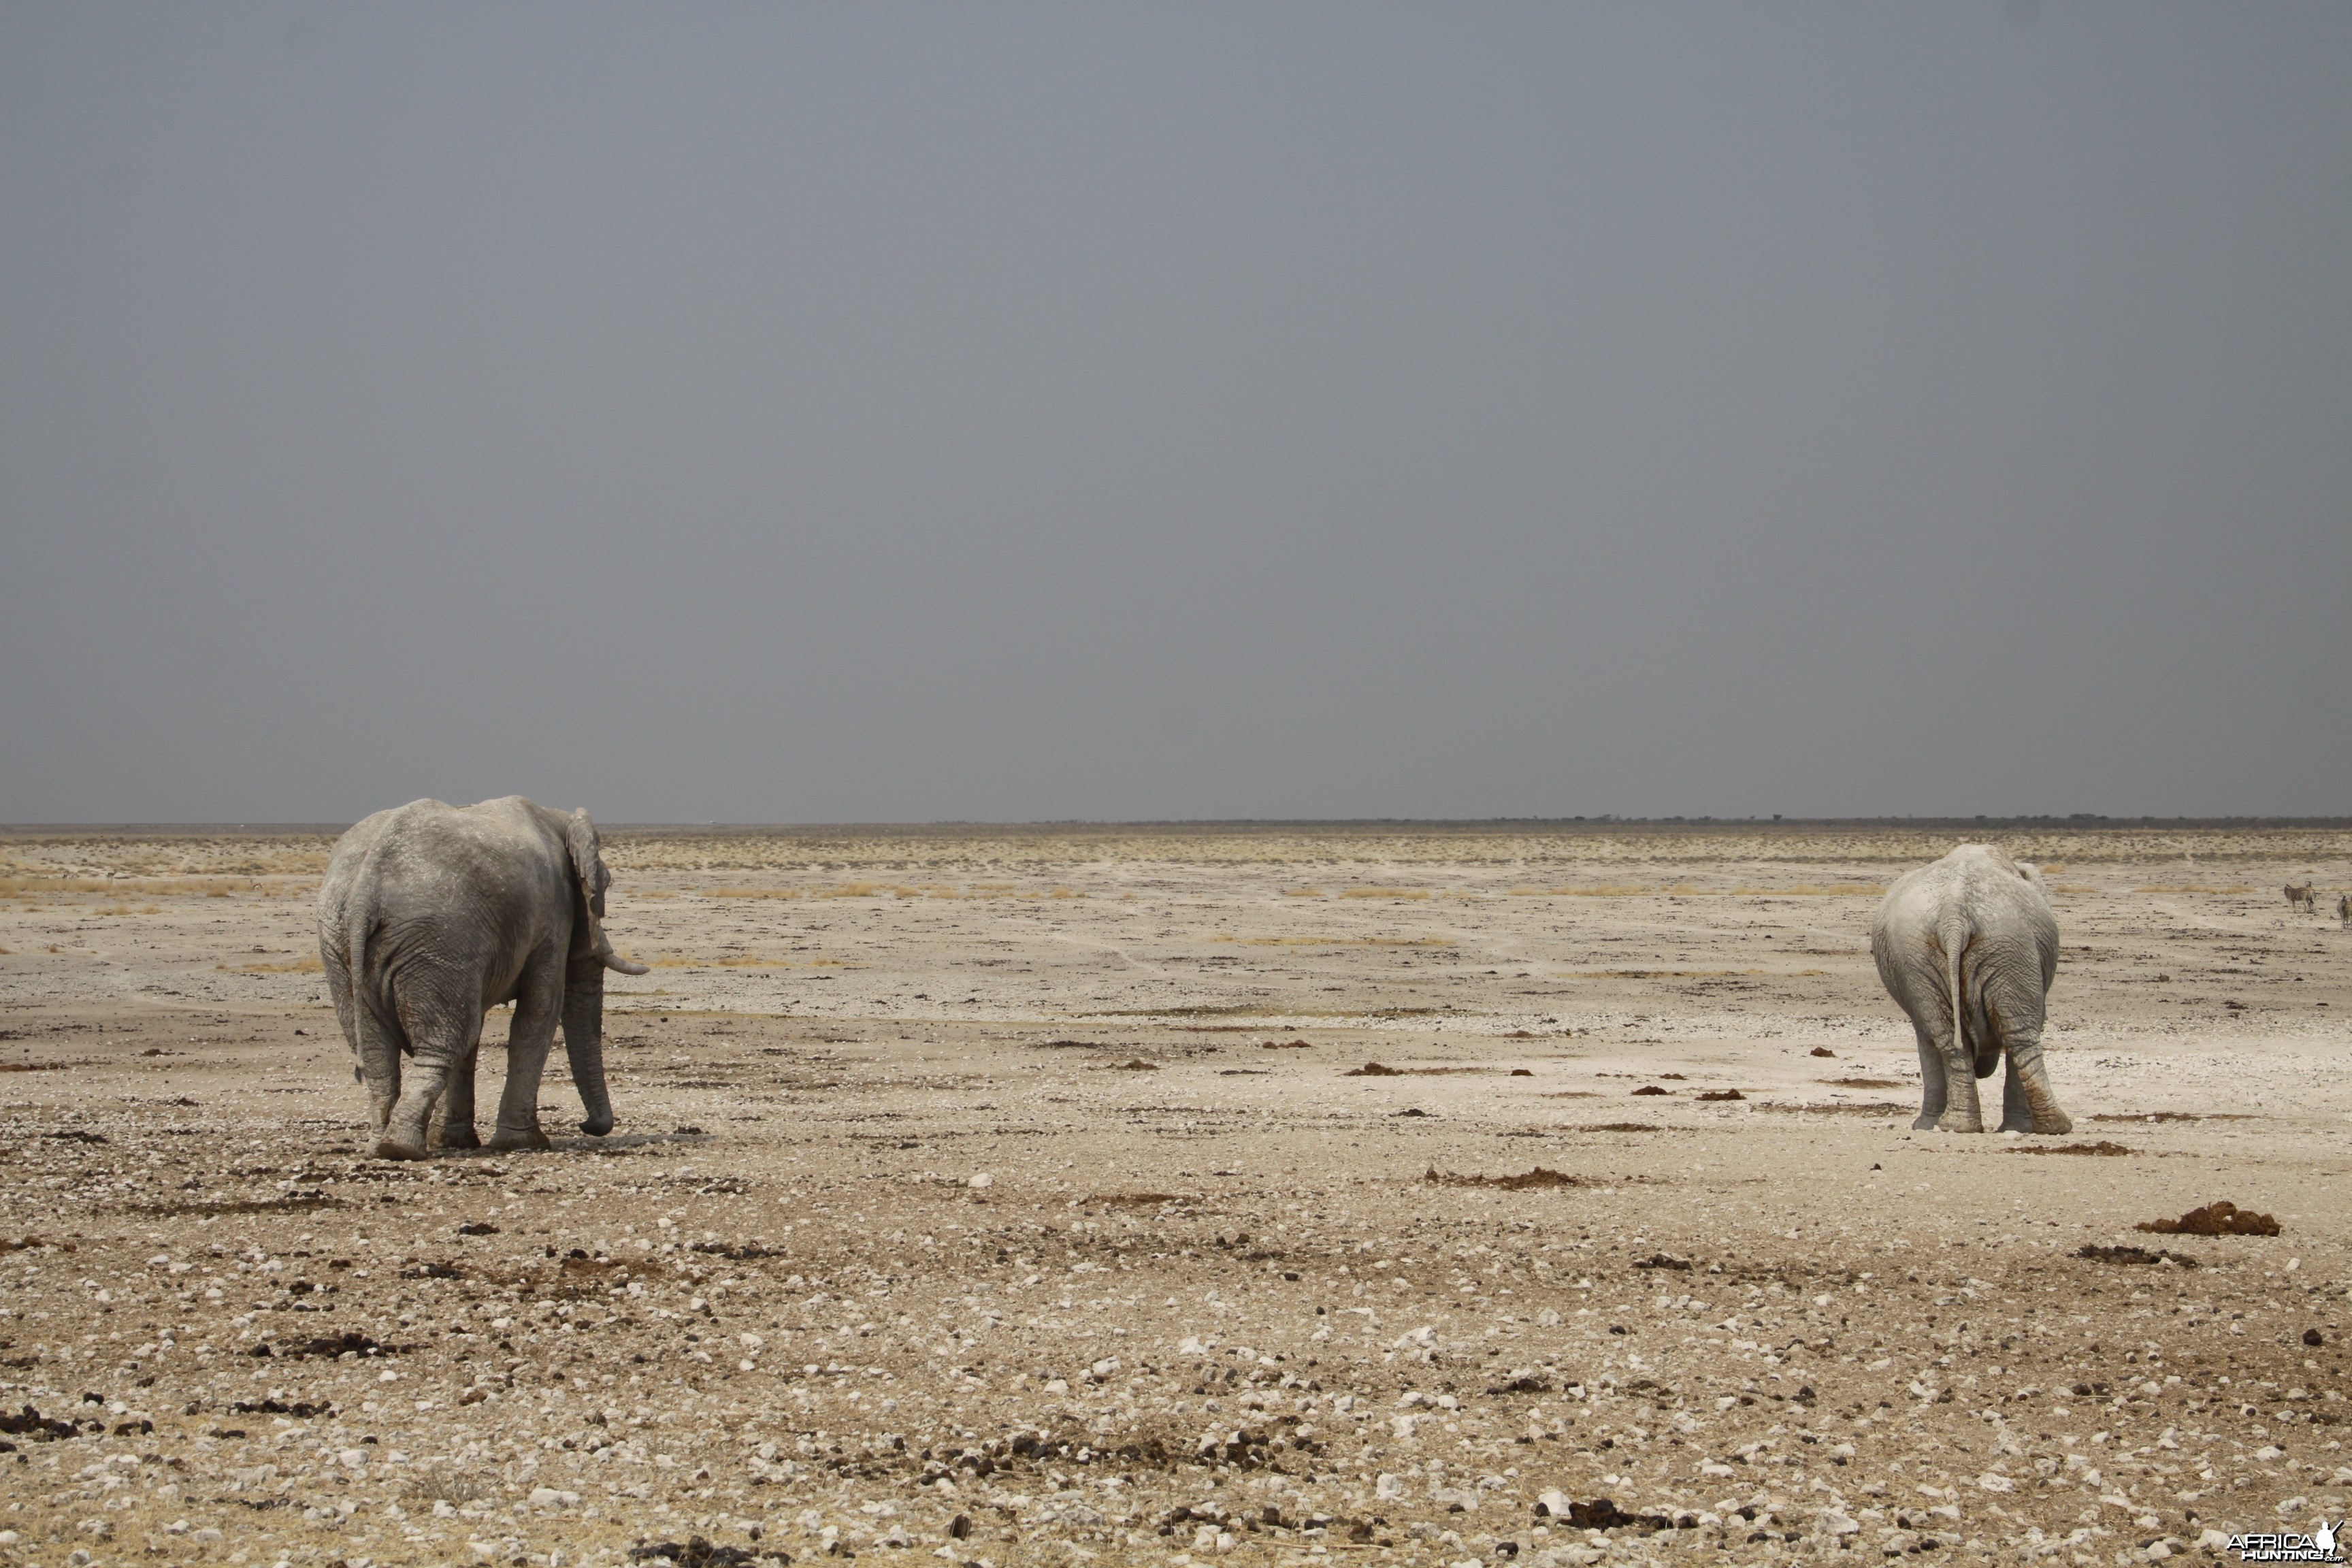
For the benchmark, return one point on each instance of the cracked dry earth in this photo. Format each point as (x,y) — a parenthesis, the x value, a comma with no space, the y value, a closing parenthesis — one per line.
(1027,1199)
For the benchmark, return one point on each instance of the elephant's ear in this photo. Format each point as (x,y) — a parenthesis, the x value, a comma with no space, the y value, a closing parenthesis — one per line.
(587,863)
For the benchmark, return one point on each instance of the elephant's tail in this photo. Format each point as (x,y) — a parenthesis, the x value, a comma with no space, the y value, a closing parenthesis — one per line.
(372,1012)
(1954,933)
(1982,1047)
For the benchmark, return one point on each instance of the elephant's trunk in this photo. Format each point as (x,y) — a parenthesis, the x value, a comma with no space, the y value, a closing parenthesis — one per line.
(583,1041)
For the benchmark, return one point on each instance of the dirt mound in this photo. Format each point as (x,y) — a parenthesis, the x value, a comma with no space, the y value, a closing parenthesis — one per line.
(1373,1070)
(2134,1254)
(2222,1218)
(1602,1513)
(1538,1177)
(327,1347)
(1723,1094)
(30,1423)
(1135,1200)
(699,1552)
(2102,1146)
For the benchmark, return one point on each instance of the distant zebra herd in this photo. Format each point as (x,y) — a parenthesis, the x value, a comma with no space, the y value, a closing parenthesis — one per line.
(2305,897)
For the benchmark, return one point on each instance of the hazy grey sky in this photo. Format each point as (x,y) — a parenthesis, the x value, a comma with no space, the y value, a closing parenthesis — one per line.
(913,412)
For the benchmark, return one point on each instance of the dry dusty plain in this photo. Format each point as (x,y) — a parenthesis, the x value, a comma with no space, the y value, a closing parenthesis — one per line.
(1021,1197)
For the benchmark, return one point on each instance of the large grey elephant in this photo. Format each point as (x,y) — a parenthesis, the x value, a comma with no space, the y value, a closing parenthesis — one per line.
(431,915)
(1968,947)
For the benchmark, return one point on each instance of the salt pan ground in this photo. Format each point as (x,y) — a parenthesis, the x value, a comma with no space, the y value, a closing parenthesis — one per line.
(1257,1196)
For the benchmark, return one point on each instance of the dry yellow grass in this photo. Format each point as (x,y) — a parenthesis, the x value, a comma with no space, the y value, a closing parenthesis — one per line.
(1302,892)
(1667,973)
(1384,892)
(22,887)
(754,892)
(310,966)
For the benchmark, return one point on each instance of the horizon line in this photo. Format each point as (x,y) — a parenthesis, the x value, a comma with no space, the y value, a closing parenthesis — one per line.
(2076,820)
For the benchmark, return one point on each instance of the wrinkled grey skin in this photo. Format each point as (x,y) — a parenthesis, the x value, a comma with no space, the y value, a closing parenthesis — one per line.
(1976,925)
(432,914)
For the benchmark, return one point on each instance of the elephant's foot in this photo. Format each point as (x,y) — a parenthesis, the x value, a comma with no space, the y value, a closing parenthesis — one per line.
(460,1138)
(507,1139)
(2057,1121)
(391,1148)
(1959,1122)
(597,1126)
(1926,1121)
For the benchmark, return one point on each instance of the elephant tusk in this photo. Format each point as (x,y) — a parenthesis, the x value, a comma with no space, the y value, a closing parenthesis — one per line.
(613,961)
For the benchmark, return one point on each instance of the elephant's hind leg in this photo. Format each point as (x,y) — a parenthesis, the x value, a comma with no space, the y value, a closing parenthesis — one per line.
(458,1113)
(2031,1105)
(1931,1081)
(2016,1111)
(440,1034)
(1962,1110)
(537,1009)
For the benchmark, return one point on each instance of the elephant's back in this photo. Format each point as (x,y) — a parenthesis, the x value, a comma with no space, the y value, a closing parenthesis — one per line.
(1975,889)
(428,855)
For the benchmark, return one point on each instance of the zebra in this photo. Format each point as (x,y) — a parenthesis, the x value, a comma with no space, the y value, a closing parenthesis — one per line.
(2344,909)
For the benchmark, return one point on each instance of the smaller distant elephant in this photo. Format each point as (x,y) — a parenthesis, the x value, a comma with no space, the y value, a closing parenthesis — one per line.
(2301,896)
(1968,947)
(432,914)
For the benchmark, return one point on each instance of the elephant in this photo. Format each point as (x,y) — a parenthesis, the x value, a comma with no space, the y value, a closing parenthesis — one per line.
(1968,947)
(432,914)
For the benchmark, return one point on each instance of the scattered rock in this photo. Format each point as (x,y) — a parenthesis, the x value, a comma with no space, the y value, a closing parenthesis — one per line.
(1373,1070)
